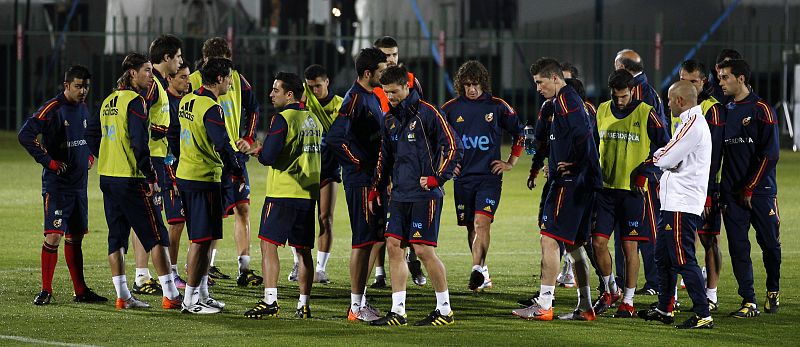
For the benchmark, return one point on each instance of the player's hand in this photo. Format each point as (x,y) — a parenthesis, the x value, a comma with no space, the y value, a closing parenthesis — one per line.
(640,184)
(457,170)
(152,188)
(254,149)
(423,182)
(563,168)
(546,172)
(707,207)
(499,166)
(373,198)
(242,145)
(532,179)
(747,198)
(57,166)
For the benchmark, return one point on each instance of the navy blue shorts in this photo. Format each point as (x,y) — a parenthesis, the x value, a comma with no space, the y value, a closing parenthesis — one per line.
(202,203)
(230,190)
(367,228)
(128,207)
(66,213)
(567,214)
(414,222)
(476,196)
(331,171)
(622,210)
(286,219)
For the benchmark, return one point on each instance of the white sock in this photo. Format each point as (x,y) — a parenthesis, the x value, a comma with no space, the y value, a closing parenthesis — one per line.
(244,263)
(610,283)
(546,295)
(379,271)
(190,296)
(302,301)
(355,302)
(676,293)
(711,293)
(627,296)
(322,260)
(364,298)
(585,298)
(443,302)
(203,288)
(270,295)
(477,268)
(168,286)
(142,275)
(399,303)
(569,264)
(485,271)
(213,257)
(174,269)
(294,254)
(121,286)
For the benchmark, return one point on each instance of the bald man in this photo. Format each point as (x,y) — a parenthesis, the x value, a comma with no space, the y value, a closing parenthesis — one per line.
(686,160)
(629,60)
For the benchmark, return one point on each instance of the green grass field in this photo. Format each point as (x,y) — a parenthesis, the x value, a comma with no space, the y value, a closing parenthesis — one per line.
(481,319)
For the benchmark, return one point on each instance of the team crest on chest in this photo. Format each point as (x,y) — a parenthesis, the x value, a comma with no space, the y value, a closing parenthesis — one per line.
(412,126)
(746,121)
(66,124)
(489,116)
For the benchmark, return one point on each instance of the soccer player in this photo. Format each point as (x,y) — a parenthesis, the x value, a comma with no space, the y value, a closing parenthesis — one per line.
(65,158)
(695,73)
(388,45)
(574,168)
(630,61)
(166,57)
(291,151)
(352,137)
(173,207)
(419,152)
(749,188)
(480,119)
(129,182)
(241,109)
(630,131)
(325,106)
(204,149)
(686,161)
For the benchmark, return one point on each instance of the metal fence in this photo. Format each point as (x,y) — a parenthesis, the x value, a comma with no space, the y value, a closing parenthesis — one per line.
(506,53)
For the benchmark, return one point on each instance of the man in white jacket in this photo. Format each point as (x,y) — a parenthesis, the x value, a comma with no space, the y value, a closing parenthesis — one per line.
(686,162)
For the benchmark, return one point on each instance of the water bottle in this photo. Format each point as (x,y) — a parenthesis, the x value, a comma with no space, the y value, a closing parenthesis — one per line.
(530,140)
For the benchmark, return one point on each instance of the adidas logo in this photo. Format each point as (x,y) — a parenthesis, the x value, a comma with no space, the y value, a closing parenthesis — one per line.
(547,293)
(487,209)
(459,119)
(634,233)
(771,212)
(417,234)
(669,227)
(309,123)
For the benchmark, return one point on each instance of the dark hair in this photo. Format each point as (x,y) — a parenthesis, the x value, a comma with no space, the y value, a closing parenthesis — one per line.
(692,65)
(728,53)
(578,86)
(472,71)
(198,64)
(214,68)
(385,42)
(631,65)
(315,70)
(291,83)
(164,44)
(183,65)
(216,47)
(396,75)
(77,71)
(547,67)
(368,59)
(567,66)
(132,61)
(738,68)
(620,79)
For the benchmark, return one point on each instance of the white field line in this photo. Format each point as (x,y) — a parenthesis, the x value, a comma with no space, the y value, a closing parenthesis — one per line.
(41,342)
